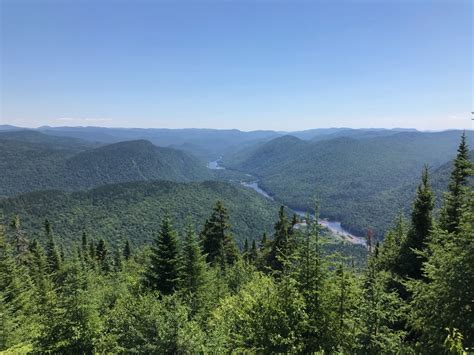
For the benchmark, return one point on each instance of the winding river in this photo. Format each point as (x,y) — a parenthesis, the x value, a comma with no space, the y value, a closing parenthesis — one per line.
(333,226)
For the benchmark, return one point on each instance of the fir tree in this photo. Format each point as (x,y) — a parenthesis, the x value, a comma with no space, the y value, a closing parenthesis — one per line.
(52,254)
(253,255)
(454,198)
(410,259)
(245,251)
(218,244)
(280,246)
(127,250)
(163,270)
(193,270)
(102,255)
(20,240)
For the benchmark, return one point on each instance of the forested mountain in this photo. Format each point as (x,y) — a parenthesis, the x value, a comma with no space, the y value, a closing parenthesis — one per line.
(134,210)
(32,161)
(206,144)
(189,290)
(351,176)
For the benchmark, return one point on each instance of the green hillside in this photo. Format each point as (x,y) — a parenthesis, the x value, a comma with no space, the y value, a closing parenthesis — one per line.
(135,210)
(33,161)
(353,177)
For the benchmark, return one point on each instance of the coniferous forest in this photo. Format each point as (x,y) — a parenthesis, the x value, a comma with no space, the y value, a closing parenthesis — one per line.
(196,290)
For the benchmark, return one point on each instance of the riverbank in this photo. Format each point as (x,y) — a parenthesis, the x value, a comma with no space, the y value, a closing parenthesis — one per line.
(334,226)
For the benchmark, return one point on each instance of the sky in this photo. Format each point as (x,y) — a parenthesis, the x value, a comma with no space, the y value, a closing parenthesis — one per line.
(262,64)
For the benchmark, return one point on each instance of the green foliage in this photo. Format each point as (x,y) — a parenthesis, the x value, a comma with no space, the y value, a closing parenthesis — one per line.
(218,245)
(26,166)
(164,268)
(361,182)
(453,199)
(133,210)
(410,259)
(315,301)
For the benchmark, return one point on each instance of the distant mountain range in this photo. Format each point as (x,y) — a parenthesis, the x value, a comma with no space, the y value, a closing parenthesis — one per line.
(206,144)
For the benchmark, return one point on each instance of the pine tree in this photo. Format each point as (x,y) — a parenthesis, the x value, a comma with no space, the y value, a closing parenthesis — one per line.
(52,254)
(218,244)
(410,259)
(163,270)
(454,198)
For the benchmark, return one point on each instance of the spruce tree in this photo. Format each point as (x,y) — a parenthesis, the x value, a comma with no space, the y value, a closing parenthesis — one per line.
(20,240)
(245,251)
(253,255)
(280,246)
(458,184)
(193,270)
(15,298)
(218,244)
(410,259)
(52,254)
(127,250)
(163,269)
(102,255)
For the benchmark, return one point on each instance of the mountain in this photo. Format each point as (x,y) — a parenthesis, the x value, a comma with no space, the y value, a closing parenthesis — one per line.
(134,210)
(35,161)
(208,144)
(352,177)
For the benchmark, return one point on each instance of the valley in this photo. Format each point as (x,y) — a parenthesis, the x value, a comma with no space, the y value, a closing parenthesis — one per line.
(334,226)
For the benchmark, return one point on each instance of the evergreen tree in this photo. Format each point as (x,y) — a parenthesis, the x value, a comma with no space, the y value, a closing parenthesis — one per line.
(379,311)
(442,301)
(102,255)
(280,248)
(20,240)
(70,323)
(454,198)
(117,261)
(218,244)
(15,298)
(410,259)
(52,254)
(193,270)
(253,255)
(163,270)
(245,251)
(127,250)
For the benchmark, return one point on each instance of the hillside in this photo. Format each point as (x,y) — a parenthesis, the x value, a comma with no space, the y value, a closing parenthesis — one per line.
(351,176)
(36,161)
(134,210)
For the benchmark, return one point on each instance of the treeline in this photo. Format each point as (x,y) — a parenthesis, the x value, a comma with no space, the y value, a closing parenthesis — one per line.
(199,293)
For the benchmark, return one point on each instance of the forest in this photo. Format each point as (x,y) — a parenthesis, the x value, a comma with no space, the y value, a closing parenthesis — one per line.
(194,290)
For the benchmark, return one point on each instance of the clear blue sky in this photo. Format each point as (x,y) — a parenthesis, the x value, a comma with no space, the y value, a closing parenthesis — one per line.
(260,64)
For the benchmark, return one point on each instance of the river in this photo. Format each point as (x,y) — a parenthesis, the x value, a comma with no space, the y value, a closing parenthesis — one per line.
(333,226)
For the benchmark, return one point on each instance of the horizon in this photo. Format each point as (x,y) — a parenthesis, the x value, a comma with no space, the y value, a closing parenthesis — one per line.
(244,65)
(401,129)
